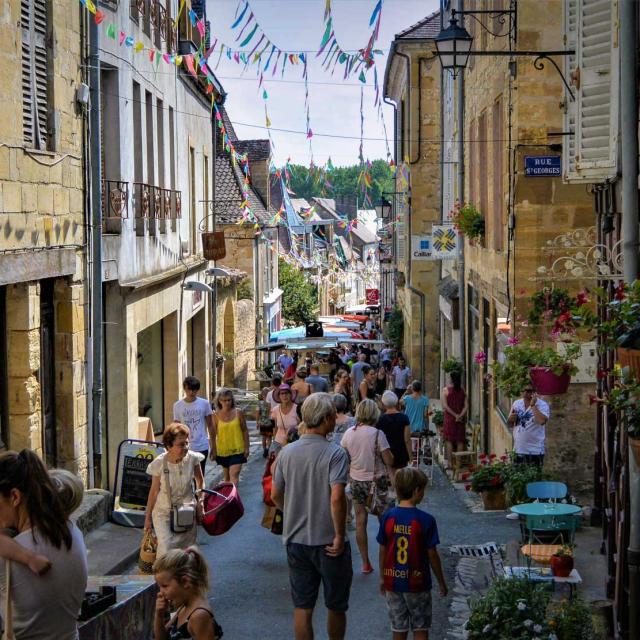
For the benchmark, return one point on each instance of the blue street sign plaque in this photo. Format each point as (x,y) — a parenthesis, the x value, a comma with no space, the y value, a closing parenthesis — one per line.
(542,166)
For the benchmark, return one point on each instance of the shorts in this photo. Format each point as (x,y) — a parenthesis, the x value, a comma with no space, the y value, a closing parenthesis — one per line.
(266,429)
(409,611)
(310,565)
(230,461)
(360,489)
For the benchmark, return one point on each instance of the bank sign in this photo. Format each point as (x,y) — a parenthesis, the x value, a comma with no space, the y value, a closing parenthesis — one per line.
(542,166)
(421,248)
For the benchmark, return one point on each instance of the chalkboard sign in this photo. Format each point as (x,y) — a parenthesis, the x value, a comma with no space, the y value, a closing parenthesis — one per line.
(132,481)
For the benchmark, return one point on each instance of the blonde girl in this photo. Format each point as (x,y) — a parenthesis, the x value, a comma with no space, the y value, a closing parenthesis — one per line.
(183,579)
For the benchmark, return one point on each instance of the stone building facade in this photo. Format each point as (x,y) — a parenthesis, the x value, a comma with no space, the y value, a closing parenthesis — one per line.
(412,82)
(43,310)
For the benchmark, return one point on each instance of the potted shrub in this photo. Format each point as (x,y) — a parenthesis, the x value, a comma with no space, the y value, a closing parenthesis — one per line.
(518,476)
(562,561)
(488,481)
(468,221)
(622,328)
(542,366)
(438,418)
(625,398)
(452,364)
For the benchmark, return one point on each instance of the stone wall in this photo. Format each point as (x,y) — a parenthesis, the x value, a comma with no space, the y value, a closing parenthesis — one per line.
(245,343)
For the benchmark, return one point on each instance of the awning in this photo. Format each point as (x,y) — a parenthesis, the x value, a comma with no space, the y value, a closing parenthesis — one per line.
(271,346)
(359,341)
(311,344)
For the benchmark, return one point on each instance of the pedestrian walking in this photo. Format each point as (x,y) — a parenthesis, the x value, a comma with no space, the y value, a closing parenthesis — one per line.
(408,539)
(309,486)
(395,426)
(369,452)
(344,421)
(382,380)
(173,474)
(276,381)
(264,421)
(183,582)
(367,388)
(284,416)
(197,414)
(454,405)
(44,606)
(343,387)
(301,388)
(528,417)
(284,361)
(232,436)
(357,375)
(401,377)
(317,382)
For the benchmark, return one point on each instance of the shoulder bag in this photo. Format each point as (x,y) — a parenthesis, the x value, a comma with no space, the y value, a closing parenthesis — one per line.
(182,517)
(7,614)
(375,504)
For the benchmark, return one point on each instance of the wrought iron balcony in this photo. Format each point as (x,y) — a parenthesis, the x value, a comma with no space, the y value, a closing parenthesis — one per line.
(115,204)
(152,202)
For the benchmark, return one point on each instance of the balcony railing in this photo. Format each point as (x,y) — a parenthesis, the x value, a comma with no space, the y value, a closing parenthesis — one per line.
(156,203)
(115,204)
(156,22)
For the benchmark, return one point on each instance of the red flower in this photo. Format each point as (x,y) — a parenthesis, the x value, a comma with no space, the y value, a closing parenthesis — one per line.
(483,455)
(467,487)
(620,292)
(492,456)
(602,373)
(503,458)
(495,480)
(595,399)
(581,298)
(465,476)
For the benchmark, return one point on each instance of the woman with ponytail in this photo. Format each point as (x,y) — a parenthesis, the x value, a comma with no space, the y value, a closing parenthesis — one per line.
(45,606)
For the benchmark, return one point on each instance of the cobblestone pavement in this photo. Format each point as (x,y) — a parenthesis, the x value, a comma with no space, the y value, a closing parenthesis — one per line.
(250,589)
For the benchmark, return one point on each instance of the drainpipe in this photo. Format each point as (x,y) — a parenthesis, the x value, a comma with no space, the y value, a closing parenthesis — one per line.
(629,148)
(391,289)
(461,287)
(96,249)
(214,294)
(257,301)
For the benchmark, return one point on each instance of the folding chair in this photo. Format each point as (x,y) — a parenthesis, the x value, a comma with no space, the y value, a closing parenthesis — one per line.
(547,490)
(546,534)
(488,550)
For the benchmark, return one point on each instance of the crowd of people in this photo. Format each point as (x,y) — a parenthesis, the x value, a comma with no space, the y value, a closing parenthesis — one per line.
(341,447)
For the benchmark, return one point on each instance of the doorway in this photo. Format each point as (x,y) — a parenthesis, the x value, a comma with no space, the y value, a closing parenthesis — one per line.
(150,375)
(48,373)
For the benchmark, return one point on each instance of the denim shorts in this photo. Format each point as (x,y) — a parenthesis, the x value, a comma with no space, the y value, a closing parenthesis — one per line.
(409,611)
(310,565)
(230,461)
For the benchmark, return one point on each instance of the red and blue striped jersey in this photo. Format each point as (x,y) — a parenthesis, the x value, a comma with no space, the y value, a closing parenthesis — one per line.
(407,533)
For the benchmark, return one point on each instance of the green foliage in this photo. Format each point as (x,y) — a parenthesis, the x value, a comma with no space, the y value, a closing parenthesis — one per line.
(512,376)
(344,181)
(244,291)
(438,417)
(394,331)
(299,297)
(625,398)
(511,608)
(548,302)
(468,220)
(621,328)
(452,364)
(518,476)
(571,620)
(491,474)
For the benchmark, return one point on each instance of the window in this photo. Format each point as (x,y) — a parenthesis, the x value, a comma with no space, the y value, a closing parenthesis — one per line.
(192,200)
(160,125)
(482,164)
(503,402)
(37,105)
(172,151)
(471,163)
(149,138)
(498,175)
(137,133)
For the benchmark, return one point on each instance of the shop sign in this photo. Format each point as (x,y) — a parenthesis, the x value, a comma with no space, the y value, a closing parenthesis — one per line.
(542,166)
(445,242)
(132,481)
(372,296)
(421,248)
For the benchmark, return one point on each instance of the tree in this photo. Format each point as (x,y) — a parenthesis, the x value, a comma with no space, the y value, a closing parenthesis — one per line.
(299,297)
(344,181)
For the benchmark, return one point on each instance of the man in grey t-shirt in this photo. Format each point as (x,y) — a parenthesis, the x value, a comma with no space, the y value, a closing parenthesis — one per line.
(317,382)
(308,485)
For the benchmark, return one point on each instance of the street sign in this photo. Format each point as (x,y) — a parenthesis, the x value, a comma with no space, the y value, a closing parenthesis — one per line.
(445,241)
(542,166)
(421,248)
(372,296)
(132,481)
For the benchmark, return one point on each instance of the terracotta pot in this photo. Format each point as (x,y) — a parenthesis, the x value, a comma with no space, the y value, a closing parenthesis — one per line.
(213,245)
(561,566)
(548,383)
(494,499)
(634,447)
(629,358)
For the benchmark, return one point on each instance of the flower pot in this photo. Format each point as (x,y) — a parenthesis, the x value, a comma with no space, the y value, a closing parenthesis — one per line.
(634,447)
(561,566)
(629,358)
(494,499)
(548,383)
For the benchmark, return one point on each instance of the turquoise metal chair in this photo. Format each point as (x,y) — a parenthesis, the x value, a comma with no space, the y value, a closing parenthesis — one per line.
(550,529)
(547,490)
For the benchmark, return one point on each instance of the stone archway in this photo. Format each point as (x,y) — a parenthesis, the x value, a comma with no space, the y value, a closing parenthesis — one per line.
(229,344)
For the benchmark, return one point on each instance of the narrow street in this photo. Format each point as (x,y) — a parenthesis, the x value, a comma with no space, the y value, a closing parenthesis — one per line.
(250,586)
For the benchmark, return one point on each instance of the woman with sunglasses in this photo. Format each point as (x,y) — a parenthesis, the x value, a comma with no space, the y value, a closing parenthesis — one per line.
(285,416)
(232,436)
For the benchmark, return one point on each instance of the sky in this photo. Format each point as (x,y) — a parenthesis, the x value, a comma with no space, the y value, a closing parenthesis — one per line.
(298,25)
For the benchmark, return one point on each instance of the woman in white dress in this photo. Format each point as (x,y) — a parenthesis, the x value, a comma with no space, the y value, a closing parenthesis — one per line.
(181,467)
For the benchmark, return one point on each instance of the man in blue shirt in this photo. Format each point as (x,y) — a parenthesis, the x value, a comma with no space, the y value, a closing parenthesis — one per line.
(416,406)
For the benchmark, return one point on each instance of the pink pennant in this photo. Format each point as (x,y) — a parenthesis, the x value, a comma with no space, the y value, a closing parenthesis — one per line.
(166,57)
(309,134)
(123,35)
(152,54)
(201,29)
(189,62)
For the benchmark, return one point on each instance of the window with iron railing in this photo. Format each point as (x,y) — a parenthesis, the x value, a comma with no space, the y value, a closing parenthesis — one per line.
(155,19)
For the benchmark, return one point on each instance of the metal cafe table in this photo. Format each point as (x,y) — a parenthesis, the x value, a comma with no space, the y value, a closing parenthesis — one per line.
(546,509)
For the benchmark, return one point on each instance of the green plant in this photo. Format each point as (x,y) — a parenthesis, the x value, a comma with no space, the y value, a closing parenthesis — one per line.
(468,220)
(394,331)
(547,304)
(452,364)
(438,417)
(570,620)
(490,474)
(518,476)
(513,375)
(244,291)
(299,297)
(565,550)
(625,398)
(512,608)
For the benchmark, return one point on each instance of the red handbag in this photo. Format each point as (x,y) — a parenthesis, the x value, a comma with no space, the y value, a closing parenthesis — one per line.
(222,508)
(267,481)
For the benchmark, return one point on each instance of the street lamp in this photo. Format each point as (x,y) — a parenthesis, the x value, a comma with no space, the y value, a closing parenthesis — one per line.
(453,45)
(383,208)
(217,272)
(195,285)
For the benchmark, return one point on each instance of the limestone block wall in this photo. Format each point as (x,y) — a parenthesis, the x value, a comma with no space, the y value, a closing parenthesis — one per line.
(245,343)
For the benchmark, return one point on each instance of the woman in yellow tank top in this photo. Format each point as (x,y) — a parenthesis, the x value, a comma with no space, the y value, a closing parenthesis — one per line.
(232,436)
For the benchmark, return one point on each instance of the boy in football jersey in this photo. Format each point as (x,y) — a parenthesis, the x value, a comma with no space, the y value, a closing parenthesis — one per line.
(408,538)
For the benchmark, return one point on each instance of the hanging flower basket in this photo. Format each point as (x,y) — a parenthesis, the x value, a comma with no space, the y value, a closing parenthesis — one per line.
(548,383)
(634,447)
(213,246)
(629,358)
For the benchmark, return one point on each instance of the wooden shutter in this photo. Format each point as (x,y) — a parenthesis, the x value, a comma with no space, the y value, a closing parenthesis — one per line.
(498,174)
(570,73)
(35,72)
